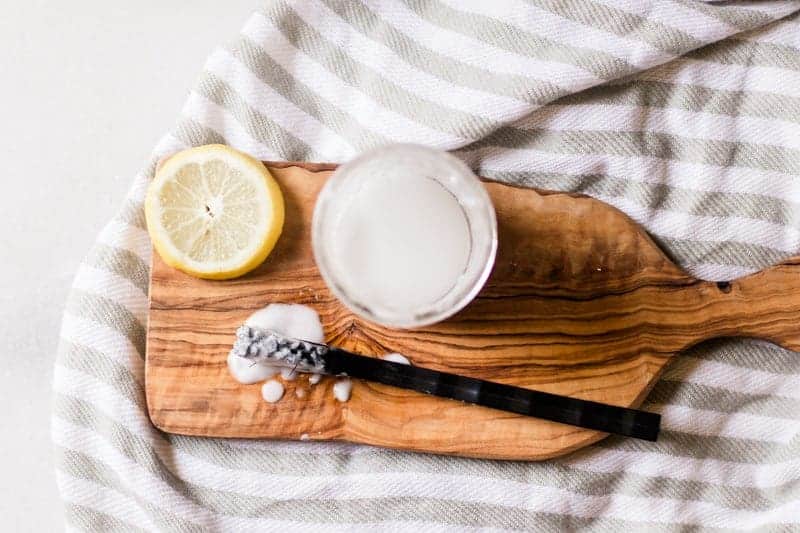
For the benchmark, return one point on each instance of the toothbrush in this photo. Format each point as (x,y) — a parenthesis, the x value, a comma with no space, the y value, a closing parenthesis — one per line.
(263,346)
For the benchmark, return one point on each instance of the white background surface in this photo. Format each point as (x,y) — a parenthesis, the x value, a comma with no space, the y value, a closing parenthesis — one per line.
(86,89)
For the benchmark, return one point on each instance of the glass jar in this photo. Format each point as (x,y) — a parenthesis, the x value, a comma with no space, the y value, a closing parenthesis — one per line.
(404,235)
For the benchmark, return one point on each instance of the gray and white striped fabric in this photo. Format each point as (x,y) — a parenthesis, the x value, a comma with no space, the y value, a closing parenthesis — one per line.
(684,114)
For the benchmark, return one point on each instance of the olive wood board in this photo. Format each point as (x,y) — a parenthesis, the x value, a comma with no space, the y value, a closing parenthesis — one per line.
(581,302)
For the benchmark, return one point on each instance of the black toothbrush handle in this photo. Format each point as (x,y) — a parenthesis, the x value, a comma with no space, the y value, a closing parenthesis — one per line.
(573,411)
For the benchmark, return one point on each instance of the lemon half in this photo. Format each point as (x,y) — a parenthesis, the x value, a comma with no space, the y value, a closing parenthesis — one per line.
(214,212)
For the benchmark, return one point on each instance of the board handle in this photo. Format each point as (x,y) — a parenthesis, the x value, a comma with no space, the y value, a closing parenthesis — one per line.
(764,305)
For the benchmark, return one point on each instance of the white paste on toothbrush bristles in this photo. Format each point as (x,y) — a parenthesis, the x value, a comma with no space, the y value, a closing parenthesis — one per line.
(342,389)
(247,372)
(272,391)
(296,321)
(292,320)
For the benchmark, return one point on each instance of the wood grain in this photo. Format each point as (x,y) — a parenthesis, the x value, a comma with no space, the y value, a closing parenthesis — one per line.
(581,302)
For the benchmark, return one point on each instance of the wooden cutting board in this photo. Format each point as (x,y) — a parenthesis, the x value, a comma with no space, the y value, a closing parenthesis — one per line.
(581,302)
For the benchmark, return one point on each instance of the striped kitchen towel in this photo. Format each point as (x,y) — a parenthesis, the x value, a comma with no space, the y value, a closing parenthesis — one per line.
(684,114)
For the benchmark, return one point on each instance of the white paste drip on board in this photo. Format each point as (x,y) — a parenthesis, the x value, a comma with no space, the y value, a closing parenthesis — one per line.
(342,389)
(396,358)
(272,391)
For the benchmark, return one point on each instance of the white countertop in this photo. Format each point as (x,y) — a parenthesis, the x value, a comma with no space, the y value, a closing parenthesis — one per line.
(87,89)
